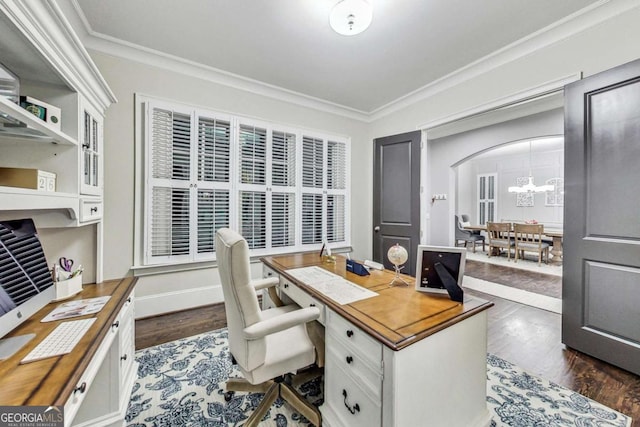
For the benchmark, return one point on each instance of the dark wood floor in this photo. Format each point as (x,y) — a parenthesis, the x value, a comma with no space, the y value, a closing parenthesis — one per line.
(524,335)
(531,281)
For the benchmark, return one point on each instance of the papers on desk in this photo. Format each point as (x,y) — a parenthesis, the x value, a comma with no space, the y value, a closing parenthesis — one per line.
(331,285)
(76,308)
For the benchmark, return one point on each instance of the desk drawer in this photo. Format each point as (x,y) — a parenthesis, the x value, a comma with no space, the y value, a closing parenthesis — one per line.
(302,298)
(90,210)
(348,401)
(354,338)
(366,373)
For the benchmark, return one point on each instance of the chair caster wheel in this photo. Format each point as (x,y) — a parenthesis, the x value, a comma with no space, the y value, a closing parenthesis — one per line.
(228,395)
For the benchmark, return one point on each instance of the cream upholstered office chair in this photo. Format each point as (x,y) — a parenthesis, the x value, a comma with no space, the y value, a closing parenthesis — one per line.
(267,344)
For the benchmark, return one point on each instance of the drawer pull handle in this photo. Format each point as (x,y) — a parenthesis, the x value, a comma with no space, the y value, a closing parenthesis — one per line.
(123,358)
(115,325)
(81,388)
(269,274)
(349,333)
(129,299)
(312,305)
(353,409)
(286,285)
(94,209)
(349,359)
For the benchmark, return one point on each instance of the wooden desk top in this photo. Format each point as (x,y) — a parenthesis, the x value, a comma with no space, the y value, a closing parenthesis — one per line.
(398,316)
(51,381)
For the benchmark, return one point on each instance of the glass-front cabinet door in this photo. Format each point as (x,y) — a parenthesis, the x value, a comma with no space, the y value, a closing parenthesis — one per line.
(91,128)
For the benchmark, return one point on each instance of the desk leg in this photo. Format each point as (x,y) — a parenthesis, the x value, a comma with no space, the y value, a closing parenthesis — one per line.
(556,250)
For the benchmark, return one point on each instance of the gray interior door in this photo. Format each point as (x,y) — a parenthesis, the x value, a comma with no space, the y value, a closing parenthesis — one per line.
(601,274)
(396,197)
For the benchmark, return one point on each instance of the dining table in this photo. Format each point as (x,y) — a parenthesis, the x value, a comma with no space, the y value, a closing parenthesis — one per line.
(556,235)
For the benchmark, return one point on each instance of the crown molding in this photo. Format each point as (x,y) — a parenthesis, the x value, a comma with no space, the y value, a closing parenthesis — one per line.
(47,29)
(133,52)
(512,100)
(569,26)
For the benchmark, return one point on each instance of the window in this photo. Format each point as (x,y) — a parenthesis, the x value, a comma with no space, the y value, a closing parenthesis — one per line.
(282,189)
(487,206)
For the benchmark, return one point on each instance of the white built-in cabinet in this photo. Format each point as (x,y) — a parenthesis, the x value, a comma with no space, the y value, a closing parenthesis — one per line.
(40,48)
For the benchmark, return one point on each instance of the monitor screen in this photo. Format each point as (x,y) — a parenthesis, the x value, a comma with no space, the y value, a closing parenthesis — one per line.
(440,269)
(25,280)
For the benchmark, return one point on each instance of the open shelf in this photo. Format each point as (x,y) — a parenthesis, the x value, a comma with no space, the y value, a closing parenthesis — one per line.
(26,199)
(16,122)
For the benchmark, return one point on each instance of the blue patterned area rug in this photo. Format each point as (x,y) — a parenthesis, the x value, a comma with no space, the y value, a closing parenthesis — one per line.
(181,383)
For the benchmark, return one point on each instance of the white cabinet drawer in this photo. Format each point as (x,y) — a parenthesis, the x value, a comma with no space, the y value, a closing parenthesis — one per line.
(349,402)
(302,298)
(353,337)
(365,372)
(90,210)
(83,386)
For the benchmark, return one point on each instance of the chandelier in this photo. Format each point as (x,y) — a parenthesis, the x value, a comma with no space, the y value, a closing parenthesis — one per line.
(530,187)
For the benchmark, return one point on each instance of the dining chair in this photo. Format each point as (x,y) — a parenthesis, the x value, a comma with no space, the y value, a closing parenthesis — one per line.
(467,236)
(499,234)
(528,237)
(465,220)
(267,345)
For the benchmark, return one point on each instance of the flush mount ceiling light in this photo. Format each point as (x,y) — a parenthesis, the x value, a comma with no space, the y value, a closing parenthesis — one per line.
(351,17)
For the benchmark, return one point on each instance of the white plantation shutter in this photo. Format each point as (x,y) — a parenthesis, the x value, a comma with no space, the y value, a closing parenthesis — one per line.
(214,150)
(336,218)
(253,216)
(283,181)
(170,167)
(336,165)
(213,213)
(283,159)
(312,164)
(253,155)
(336,191)
(189,185)
(282,189)
(170,222)
(283,224)
(311,219)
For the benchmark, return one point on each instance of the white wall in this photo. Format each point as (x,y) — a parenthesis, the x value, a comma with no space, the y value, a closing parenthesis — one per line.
(591,51)
(512,163)
(544,165)
(127,78)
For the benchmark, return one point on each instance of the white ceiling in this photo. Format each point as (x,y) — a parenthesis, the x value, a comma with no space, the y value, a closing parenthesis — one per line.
(289,44)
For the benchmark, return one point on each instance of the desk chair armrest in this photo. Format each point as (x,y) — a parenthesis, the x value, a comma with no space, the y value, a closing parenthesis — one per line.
(269,282)
(281,322)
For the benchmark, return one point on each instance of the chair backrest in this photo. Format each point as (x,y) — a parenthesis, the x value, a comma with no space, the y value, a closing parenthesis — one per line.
(240,298)
(459,231)
(464,217)
(498,230)
(528,233)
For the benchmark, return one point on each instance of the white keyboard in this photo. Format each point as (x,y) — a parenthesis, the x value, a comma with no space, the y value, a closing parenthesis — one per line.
(61,340)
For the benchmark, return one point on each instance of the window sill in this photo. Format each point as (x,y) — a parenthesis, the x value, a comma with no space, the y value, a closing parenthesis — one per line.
(152,270)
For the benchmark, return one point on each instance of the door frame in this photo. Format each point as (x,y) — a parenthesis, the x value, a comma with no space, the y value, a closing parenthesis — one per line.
(455,123)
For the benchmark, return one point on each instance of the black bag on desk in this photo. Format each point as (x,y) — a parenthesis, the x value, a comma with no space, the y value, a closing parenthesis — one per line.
(357,268)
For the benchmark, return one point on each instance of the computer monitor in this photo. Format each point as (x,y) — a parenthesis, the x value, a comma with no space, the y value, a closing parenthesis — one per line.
(25,280)
(440,270)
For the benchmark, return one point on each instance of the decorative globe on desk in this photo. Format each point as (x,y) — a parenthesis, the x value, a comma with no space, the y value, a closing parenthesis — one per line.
(398,256)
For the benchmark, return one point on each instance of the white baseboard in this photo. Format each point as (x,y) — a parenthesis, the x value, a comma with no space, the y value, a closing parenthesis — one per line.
(153,305)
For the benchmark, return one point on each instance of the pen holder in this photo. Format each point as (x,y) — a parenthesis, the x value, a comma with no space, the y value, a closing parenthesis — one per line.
(68,287)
